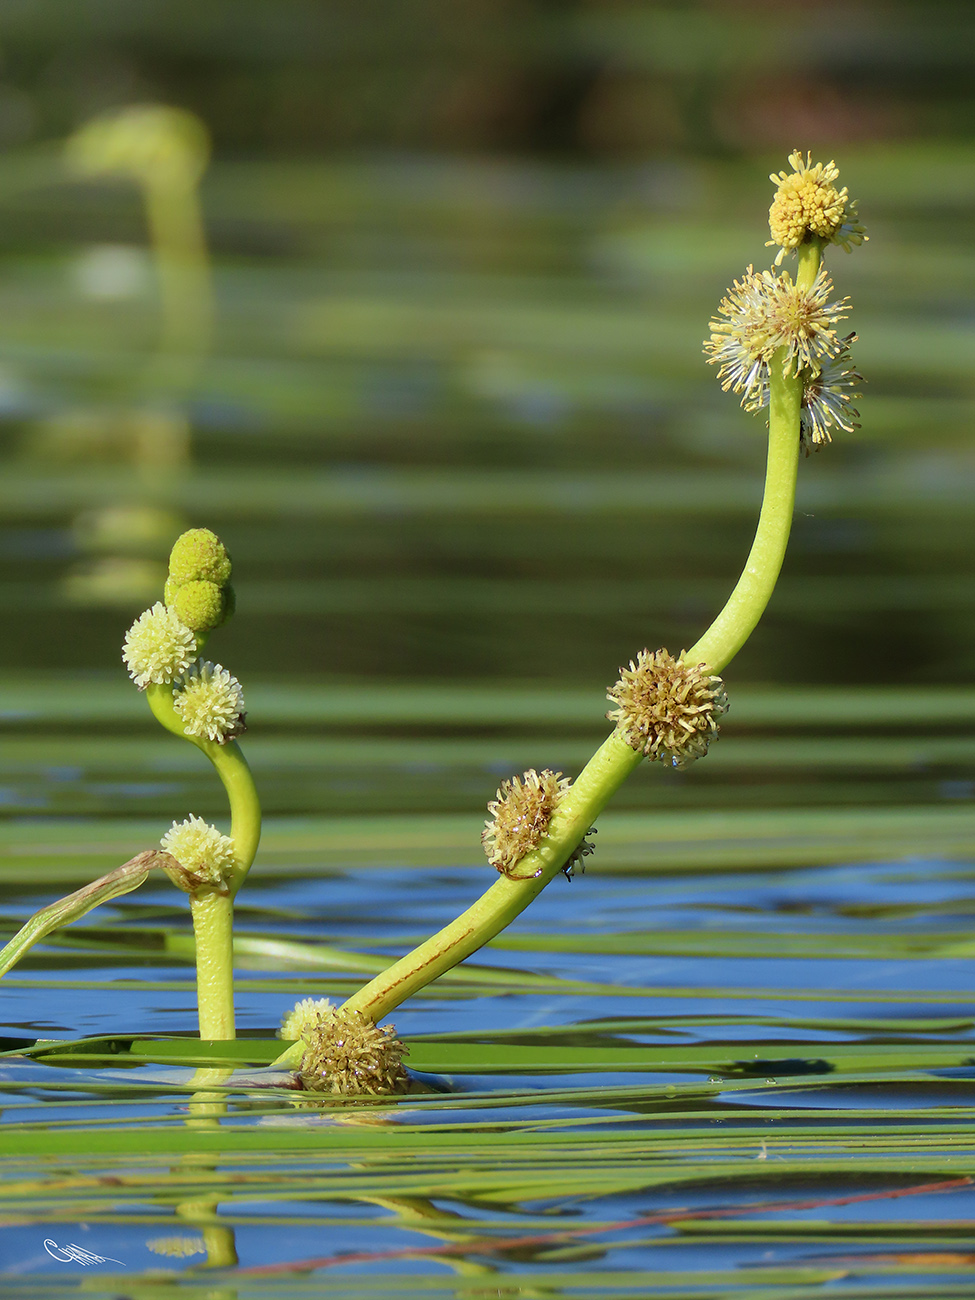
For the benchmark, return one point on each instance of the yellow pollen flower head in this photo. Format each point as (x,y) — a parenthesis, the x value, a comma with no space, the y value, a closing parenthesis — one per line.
(205,856)
(807,203)
(210,702)
(520,816)
(346,1053)
(666,708)
(158,647)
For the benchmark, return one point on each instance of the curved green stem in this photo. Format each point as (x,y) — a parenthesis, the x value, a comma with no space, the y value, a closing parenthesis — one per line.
(231,766)
(746,604)
(213,913)
(615,759)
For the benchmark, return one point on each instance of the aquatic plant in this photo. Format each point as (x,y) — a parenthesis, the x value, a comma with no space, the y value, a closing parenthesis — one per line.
(202,703)
(774,341)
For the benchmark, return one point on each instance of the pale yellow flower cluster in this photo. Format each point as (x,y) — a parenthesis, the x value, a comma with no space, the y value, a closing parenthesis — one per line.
(807,203)
(210,703)
(205,855)
(158,647)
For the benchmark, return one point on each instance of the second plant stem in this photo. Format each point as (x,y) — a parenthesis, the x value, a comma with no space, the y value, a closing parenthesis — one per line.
(615,759)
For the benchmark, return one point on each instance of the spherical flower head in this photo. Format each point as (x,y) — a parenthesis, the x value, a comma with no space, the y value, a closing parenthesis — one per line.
(347,1054)
(201,605)
(827,400)
(807,203)
(666,708)
(205,857)
(303,1017)
(210,702)
(520,816)
(158,647)
(152,142)
(199,555)
(764,312)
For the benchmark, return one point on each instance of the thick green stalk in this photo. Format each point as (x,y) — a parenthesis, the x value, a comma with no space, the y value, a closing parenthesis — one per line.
(615,759)
(231,766)
(213,913)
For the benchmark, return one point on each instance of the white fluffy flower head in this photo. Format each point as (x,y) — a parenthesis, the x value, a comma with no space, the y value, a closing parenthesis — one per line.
(303,1017)
(210,703)
(205,855)
(157,647)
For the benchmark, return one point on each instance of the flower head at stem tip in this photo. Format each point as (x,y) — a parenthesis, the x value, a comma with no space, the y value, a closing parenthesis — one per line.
(807,205)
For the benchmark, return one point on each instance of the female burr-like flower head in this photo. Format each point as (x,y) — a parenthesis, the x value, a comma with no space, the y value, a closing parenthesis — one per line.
(666,708)
(764,312)
(345,1052)
(210,702)
(158,647)
(205,856)
(520,816)
(807,203)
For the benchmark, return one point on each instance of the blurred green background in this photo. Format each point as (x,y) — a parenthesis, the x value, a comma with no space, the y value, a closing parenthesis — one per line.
(453,420)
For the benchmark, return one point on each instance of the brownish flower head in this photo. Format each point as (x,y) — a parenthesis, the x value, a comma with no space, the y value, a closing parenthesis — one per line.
(808,203)
(520,816)
(348,1055)
(666,708)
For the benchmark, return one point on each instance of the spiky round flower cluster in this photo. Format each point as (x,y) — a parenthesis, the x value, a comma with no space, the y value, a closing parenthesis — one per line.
(808,203)
(158,647)
(346,1053)
(520,816)
(764,312)
(210,702)
(666,708)
(198,588)
(303,1015)
(203,854)
(827,399)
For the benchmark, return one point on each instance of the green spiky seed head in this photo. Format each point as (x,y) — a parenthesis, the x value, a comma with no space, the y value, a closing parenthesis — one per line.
(200,606)
(199,556)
